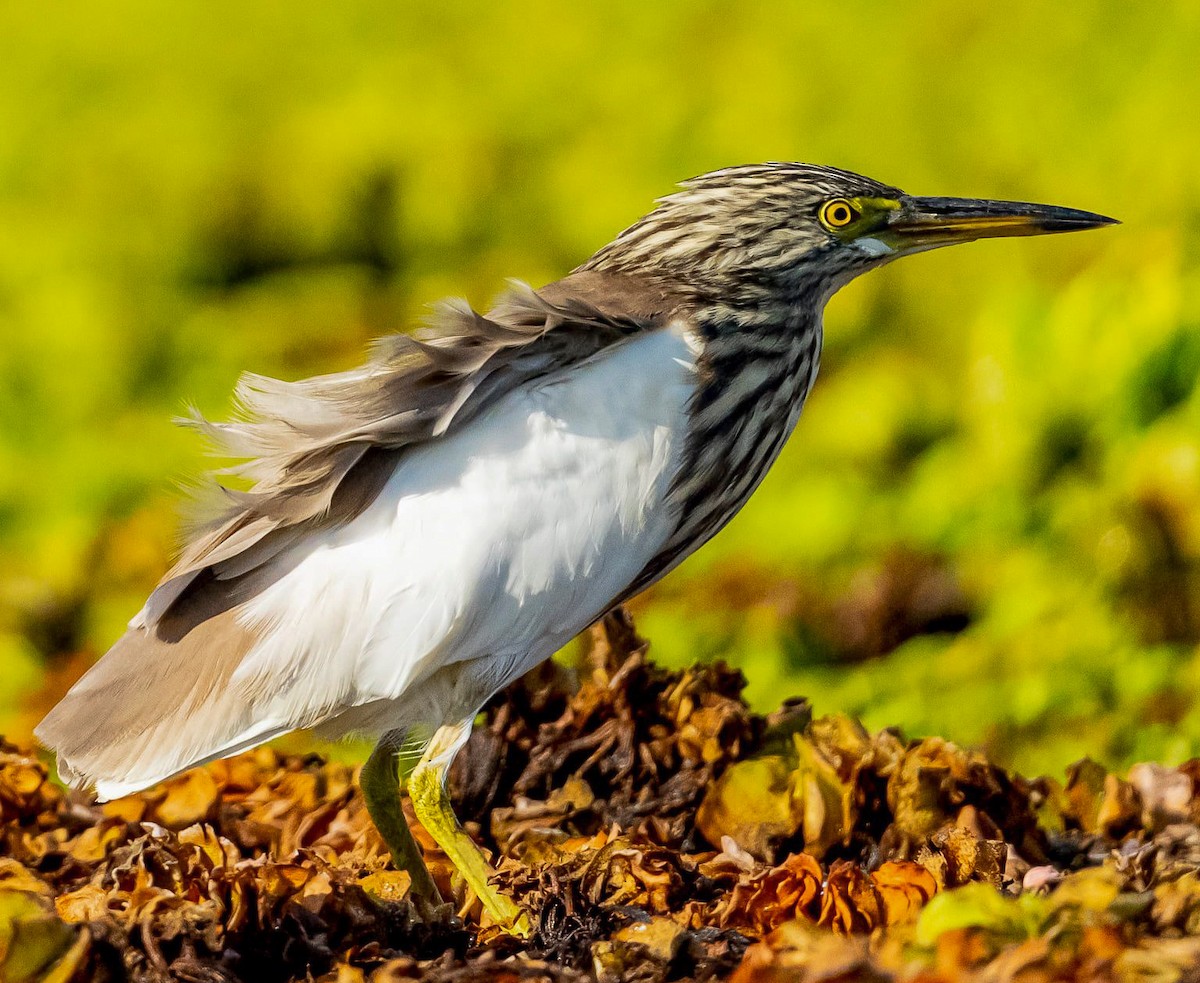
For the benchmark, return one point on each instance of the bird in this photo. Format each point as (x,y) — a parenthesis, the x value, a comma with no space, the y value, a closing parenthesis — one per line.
(401,540)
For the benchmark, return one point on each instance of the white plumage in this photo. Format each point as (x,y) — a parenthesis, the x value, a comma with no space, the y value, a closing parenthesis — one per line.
(485,552)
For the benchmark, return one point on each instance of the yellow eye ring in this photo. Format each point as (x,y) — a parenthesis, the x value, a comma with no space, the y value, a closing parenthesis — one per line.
(838,213)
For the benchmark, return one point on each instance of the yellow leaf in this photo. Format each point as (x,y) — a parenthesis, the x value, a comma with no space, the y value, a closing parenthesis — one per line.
(753,804)
(387,885)
(88,904)
(1093,889)
(190,799)
(825,801)
(32,937)
(15,876)
(92,844)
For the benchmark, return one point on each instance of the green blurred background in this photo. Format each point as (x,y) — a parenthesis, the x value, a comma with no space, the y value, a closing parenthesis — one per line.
(988,523)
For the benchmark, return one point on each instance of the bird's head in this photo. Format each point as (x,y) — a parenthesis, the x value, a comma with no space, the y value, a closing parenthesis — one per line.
(765,234)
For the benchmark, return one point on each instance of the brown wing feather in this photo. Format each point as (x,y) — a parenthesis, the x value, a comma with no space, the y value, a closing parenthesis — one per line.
(307,444)
(159,700)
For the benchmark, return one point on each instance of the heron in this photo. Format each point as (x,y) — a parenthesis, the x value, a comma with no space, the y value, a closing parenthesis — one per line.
(405,538)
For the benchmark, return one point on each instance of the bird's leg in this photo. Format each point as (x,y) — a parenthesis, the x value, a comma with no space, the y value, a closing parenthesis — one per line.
(431,803)
(380,784)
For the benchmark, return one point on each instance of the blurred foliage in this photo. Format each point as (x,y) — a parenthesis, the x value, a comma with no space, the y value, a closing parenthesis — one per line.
(988,524)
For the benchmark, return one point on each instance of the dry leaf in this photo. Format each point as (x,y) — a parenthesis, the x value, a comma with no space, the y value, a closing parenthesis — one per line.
(593,800)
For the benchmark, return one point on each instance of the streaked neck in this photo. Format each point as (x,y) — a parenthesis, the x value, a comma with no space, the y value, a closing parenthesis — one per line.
(753,376)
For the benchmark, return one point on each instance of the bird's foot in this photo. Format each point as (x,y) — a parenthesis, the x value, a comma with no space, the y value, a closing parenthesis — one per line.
(381,792)
(431,803)
(505,913)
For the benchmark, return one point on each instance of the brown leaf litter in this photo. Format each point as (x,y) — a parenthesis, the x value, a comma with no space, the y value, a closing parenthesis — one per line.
(655,829)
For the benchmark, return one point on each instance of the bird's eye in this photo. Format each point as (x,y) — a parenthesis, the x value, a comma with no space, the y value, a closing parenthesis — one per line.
(837,214)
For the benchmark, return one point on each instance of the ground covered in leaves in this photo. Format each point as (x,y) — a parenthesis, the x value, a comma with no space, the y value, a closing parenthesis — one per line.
(655,829)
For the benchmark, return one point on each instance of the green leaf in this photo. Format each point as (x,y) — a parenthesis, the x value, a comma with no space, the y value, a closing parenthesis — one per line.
(980,906)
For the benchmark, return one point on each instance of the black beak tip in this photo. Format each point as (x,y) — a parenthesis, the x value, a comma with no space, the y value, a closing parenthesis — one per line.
(1072,220)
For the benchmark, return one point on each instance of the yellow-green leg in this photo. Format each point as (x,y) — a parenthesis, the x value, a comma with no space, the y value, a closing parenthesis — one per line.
(431,803)
(380,784)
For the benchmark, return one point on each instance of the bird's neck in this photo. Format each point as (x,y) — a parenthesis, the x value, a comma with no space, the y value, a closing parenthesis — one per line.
(755,369)
(753,375)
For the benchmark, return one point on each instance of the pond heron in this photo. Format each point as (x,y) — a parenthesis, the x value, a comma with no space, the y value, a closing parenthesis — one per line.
(414,534)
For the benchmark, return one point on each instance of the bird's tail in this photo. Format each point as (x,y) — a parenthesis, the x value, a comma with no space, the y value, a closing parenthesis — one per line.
(158,702)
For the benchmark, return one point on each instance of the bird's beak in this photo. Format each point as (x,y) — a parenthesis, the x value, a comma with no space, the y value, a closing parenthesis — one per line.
(925,223)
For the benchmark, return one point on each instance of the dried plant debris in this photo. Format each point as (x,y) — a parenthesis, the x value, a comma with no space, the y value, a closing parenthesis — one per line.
(656,830)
